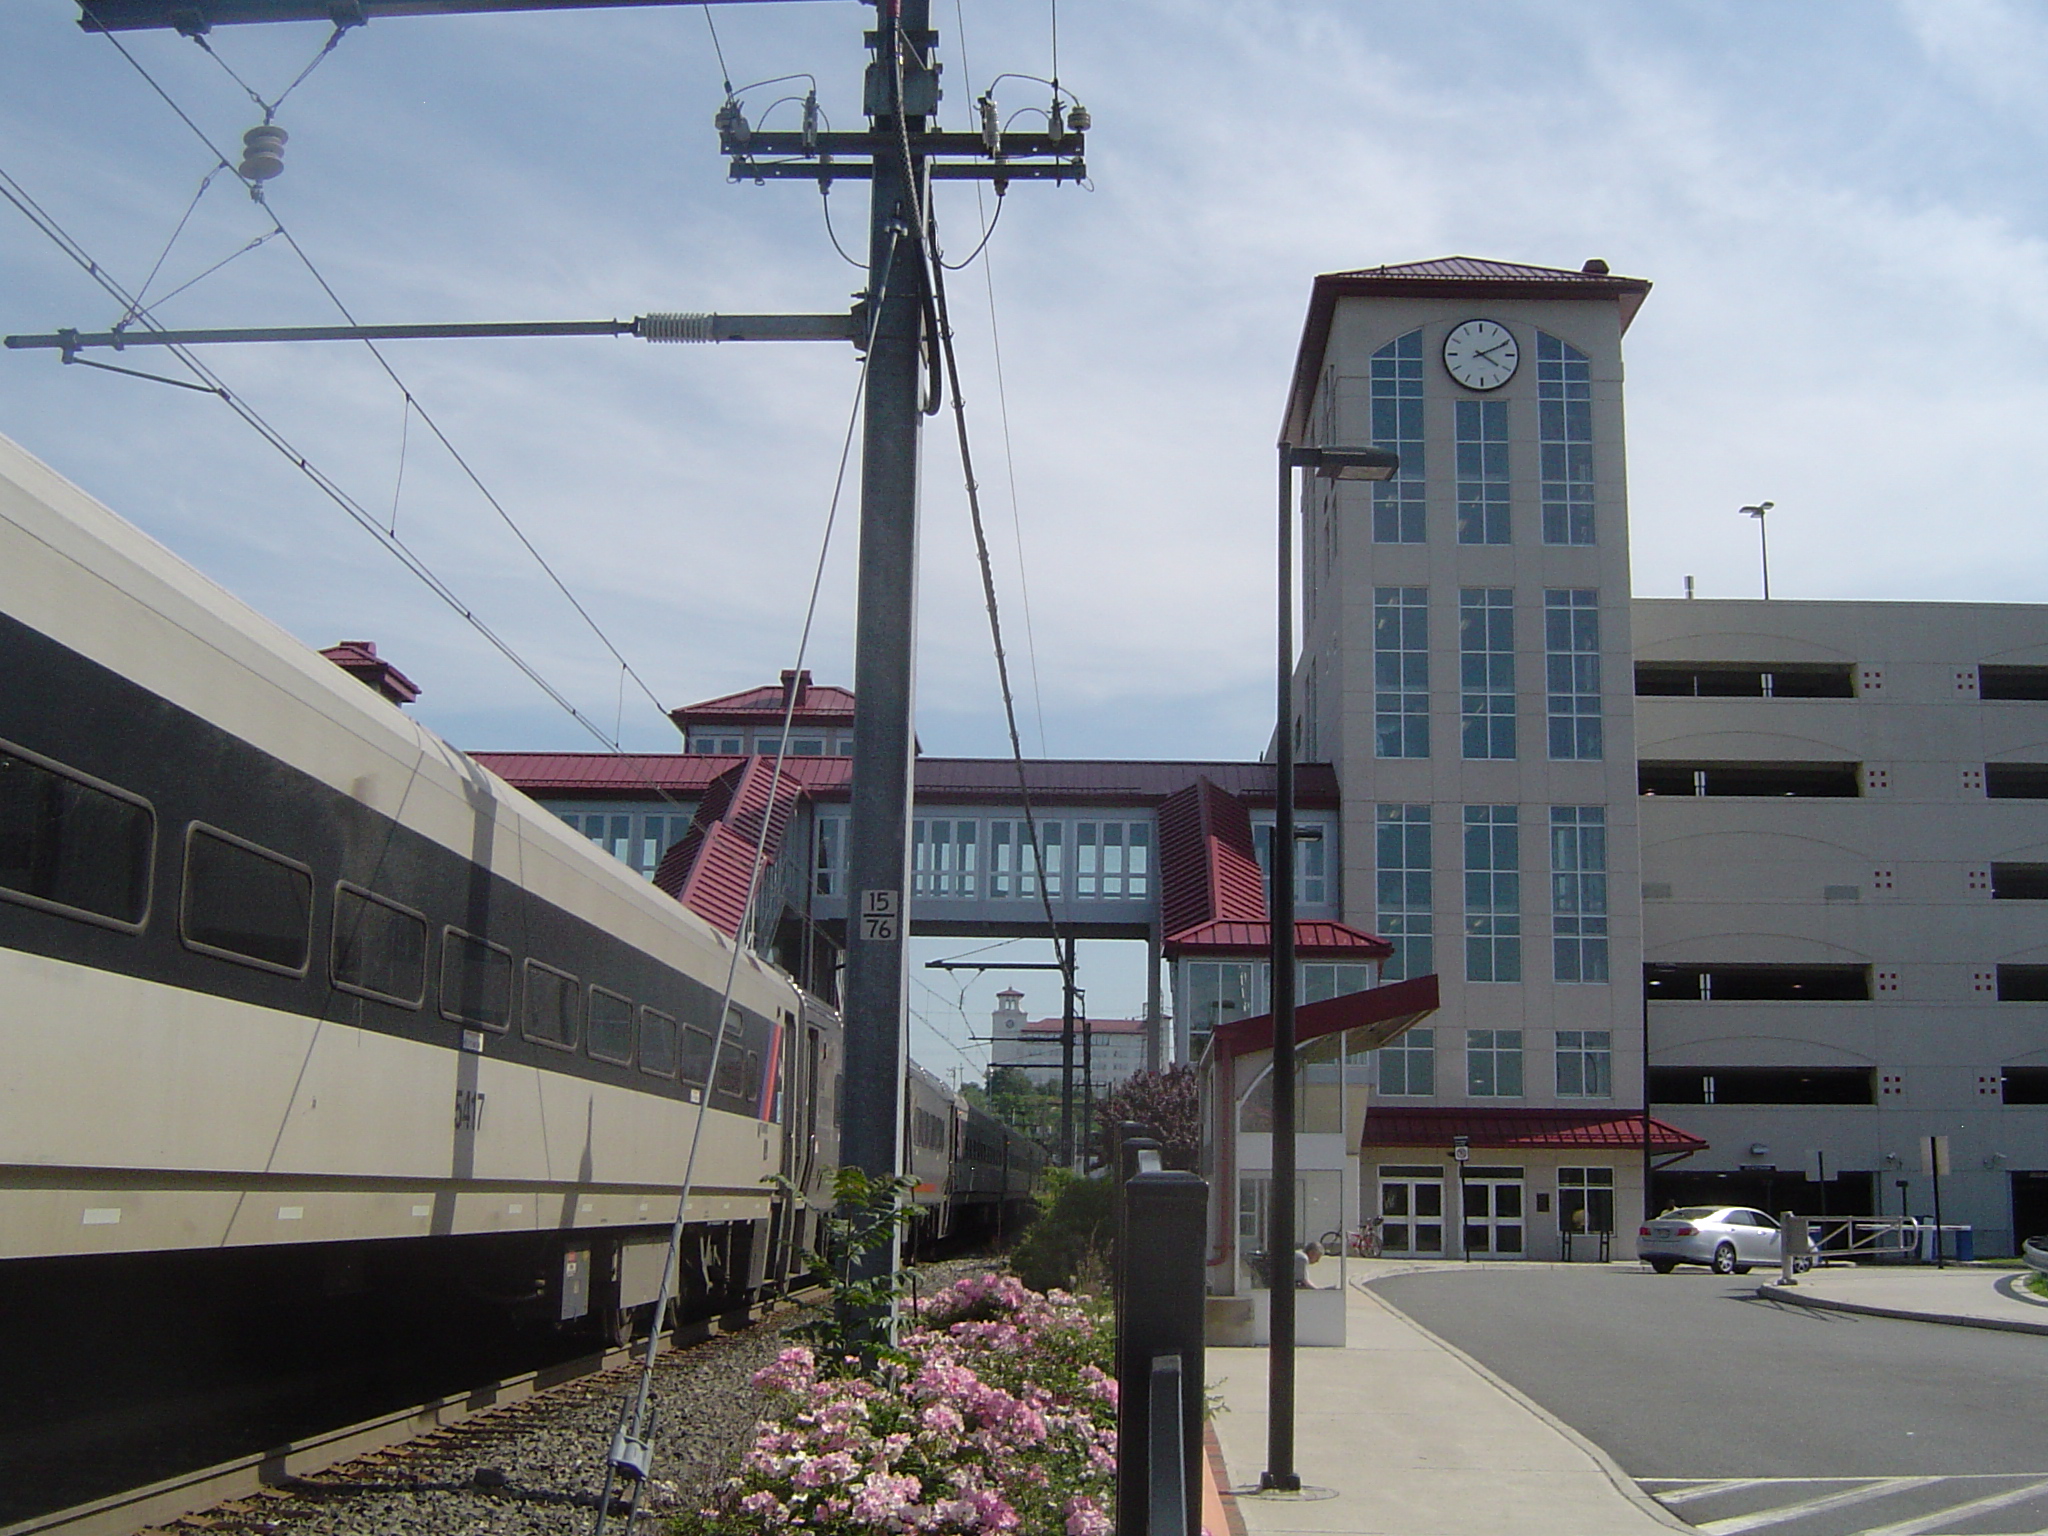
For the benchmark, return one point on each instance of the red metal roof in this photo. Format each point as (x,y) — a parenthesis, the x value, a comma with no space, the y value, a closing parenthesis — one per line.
(1057,1027)
(359,659)
(1208,871)
(1509,1129)
(711,870)
(967,780)
(815,705)
(1450,277)
(1383,1012)
(1479,269)
(1314,939)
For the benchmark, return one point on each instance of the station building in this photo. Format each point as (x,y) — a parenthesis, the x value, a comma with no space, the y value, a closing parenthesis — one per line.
(1713,893)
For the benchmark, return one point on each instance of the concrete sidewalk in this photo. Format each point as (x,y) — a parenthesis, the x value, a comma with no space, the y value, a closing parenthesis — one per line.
(1400,1434)
(1964,1296)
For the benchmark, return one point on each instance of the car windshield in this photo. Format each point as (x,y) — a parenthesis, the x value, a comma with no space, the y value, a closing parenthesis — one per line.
(1690,1213)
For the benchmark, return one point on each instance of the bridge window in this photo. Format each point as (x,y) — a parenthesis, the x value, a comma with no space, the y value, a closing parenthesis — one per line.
(1013,864)
(945,858)
(1112,860)
(828,863)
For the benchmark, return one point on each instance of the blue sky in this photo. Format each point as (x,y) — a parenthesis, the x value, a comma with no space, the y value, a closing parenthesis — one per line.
(1840,205)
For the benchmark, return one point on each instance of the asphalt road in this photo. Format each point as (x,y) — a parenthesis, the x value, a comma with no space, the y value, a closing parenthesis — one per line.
(1691,1376)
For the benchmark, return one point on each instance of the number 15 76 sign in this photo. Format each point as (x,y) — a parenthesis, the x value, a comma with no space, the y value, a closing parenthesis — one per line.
(880,913)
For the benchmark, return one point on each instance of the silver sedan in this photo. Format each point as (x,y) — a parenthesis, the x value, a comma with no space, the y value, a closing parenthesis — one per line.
(1728,1239)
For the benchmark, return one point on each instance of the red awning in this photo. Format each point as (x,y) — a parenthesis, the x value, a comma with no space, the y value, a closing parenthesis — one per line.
(1379,1013)
(1510,1129)
(1314,939)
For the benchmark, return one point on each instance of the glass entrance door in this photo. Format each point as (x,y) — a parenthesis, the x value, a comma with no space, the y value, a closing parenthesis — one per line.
(1493,1213)
(1412,1211)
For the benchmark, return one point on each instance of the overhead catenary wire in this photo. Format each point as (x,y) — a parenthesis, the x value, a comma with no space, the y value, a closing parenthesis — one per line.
(384,363)
(988,277)
(211,383)
(995,624)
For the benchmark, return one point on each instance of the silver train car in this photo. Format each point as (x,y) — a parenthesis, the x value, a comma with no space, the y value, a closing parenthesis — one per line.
(282,972)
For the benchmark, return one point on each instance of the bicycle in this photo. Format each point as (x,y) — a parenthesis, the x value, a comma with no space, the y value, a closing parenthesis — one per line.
(1368,1242)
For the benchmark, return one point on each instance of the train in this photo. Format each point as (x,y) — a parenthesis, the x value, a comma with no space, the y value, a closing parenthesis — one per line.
(301,995)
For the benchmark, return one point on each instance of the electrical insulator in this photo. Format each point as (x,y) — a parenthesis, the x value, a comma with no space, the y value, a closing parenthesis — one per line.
(991,126)
(1079,120)
(811,120)
(262,153)
(1055,120)
(731,123)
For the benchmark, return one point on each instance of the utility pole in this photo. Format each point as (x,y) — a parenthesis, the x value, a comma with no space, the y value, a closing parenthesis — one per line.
(902,91)
(903,158)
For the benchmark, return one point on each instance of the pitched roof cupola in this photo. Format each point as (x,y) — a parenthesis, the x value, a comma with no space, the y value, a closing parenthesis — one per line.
(359,659)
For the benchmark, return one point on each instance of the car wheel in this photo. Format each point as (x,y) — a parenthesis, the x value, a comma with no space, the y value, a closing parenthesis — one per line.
(1663,1266)
(1801,1266)
(1724,1260)
(1742,1269)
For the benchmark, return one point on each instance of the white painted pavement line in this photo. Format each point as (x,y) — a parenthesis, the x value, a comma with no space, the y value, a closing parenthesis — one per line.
(1706,1488)
(1924,1524)
(1735,1524)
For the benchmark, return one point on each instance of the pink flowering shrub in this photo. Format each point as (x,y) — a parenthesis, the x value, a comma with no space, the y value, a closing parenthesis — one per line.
(998,1414)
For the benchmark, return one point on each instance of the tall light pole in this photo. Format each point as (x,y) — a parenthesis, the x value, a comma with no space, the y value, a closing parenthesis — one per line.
(1328,464)
(1763,540)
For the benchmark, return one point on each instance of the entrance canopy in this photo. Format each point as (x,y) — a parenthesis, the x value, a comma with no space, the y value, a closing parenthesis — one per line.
(1522,1129)
(1377,1015)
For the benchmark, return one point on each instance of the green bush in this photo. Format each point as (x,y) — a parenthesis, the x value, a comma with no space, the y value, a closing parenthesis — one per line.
(1071,1237)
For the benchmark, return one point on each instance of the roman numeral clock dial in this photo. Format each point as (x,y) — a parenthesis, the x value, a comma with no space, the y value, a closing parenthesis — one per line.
(1481,354)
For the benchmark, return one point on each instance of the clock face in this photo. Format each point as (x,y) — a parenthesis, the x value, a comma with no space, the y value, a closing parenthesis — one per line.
(1480,354)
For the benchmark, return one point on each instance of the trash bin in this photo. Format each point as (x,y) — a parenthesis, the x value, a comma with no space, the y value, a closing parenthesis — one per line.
(1966,1245)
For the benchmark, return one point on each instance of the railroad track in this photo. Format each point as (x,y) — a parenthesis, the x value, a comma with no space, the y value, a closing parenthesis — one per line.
(254,1491)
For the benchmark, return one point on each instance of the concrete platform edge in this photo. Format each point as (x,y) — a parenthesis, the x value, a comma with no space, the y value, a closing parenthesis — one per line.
(1220,1514)
(1776,1292)
(1623,1483)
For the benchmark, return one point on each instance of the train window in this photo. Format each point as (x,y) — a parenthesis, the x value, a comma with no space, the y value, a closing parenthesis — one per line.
(696,1055)
(732,1066)
(657,1043)
(72,844)
(379,948)
(476,980)
(611,1027)
(553,1014)
(244,903)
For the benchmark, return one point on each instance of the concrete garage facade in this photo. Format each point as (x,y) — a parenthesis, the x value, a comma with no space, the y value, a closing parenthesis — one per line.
(1845,901)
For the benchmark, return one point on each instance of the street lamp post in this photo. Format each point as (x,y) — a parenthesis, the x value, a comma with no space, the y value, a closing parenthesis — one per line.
(1328,464)
(1763,540)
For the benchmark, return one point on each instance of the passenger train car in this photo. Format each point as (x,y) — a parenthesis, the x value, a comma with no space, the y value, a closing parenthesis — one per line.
(282,972)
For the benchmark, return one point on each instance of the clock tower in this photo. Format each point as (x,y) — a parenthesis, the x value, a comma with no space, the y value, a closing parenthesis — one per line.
(1466,667)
